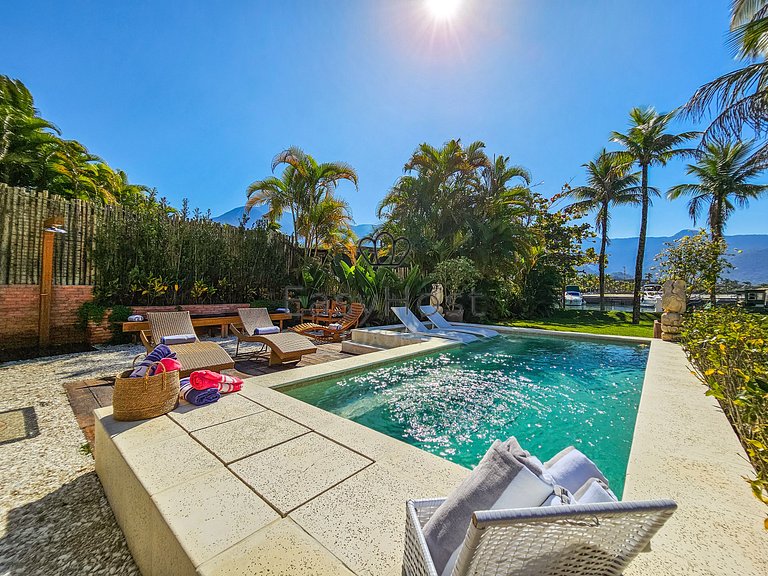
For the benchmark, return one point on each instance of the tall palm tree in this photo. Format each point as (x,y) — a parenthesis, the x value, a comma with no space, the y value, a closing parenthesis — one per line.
(647,143)
(725,174)
(609,183)
(303,186)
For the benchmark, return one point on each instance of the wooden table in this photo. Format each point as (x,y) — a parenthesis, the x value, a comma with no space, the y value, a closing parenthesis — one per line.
(222,321)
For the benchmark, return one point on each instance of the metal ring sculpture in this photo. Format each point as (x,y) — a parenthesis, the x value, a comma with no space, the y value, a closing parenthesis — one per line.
(378,242)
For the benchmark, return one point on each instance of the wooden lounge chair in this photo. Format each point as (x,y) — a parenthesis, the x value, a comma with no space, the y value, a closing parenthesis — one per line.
(193,356)
(574,540)
(283,347)
(328,334)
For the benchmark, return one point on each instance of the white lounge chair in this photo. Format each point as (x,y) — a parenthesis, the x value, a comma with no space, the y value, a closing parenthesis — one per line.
(416,326)
(439,321)
(577,540)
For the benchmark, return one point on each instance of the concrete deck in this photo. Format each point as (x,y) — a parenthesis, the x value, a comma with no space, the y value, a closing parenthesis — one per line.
(684,448)
(261,483)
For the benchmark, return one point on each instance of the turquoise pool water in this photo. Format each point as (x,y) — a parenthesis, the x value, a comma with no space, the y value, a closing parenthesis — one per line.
(549,392)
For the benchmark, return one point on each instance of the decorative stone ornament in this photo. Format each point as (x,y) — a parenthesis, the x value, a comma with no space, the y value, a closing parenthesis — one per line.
(673,302)
(437,296)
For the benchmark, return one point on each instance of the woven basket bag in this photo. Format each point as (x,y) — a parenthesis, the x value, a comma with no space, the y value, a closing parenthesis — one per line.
(147,397)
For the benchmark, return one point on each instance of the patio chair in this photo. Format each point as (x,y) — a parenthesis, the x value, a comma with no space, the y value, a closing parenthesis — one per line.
(439,322)
(416,326)
(329,333)
(571,540)
(283,347)
(194,355)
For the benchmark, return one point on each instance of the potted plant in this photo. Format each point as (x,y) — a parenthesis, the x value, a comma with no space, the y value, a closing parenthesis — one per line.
(458,276)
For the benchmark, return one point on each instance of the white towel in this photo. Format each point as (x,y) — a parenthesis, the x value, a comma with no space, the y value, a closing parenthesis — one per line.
(593,492)
(571,469)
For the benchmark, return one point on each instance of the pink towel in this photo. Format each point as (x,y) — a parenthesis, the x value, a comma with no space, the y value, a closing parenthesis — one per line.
(204,379)
(170,364)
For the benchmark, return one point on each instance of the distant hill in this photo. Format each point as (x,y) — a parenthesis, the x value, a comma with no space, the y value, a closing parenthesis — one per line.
(750,265)
(234,216)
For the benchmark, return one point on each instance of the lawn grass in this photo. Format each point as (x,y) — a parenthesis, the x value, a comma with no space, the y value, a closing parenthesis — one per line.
(593,322)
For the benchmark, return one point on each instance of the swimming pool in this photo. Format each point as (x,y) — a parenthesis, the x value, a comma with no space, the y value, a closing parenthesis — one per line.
(548,391)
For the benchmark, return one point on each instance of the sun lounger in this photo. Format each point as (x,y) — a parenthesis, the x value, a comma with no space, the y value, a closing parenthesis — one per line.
(579,539)
(333,333)
(283,346)
(439,322)
(416,326)
(194,355)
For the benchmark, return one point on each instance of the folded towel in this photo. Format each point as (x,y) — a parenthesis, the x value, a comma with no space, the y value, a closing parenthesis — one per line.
(267,330)
(178,339)
(197,397)
(205,379)
(135,318)
(160,351)
(445,530)
(334,326)
(283,310)
(170,364)
(571,469)
(594,491)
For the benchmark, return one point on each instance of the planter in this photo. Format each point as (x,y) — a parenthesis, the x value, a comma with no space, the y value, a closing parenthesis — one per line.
(99,332)
(193,309)
(454,315)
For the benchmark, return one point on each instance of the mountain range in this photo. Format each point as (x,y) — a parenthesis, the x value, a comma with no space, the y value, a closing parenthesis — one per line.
(750,258)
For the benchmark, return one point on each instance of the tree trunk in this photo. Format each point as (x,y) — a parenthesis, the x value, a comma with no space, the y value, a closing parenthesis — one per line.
(640,249)
(717,234)
(603,243)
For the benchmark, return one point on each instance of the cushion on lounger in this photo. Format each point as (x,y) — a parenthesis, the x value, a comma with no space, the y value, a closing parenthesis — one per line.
(485,486)
(178,339)
(266,330)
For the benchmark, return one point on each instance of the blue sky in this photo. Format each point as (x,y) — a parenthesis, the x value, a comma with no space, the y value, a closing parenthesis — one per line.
(196,98)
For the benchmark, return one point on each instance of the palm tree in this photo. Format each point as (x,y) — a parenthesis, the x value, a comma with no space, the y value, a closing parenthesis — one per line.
(609,183)
(740,97)
(724,172)
(648,143)
(303,186)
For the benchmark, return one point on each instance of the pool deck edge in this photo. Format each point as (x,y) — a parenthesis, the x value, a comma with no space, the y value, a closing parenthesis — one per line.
(684,448)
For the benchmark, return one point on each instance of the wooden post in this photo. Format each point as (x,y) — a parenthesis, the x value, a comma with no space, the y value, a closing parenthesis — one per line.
(46,287)
(50,227)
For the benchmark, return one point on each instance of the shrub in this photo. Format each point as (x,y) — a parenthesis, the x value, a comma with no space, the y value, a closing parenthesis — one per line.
(728,348)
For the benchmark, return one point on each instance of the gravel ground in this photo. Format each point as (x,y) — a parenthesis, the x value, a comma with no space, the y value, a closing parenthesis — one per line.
(55,518)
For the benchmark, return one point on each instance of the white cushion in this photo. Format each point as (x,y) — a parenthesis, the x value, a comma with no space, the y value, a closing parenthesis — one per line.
(526,491)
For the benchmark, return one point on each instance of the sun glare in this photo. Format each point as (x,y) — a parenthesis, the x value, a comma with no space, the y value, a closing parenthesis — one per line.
(443,9)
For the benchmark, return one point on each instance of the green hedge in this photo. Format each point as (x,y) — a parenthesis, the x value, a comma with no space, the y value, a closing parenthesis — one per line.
(150,257)
(728,347)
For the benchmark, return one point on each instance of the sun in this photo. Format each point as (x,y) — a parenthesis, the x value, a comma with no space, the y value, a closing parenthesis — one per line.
(443,9)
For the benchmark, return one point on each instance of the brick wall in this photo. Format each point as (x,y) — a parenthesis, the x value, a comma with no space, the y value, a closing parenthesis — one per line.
(19,309)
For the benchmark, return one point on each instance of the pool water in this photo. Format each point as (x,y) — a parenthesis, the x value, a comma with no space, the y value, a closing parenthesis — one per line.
(549,392)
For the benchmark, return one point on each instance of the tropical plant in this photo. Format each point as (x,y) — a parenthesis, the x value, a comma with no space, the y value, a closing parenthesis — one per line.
(647,143)
(699,260)
(306,189)
(458,276)
(609,184)
(725,172)
(739,99)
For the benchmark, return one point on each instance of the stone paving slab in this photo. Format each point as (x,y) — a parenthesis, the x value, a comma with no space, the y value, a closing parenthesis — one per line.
(293,473)
(229,407)
(236,439)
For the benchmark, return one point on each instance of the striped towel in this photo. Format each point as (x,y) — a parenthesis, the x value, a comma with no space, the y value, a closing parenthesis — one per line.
(197,397)
(161,351)
(205,379)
